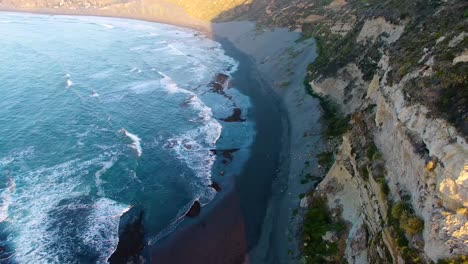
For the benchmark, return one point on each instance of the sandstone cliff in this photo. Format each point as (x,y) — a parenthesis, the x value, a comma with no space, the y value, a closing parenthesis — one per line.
(388,72)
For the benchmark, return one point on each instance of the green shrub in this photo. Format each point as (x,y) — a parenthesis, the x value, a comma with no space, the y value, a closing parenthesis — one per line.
(383,186)
(326,159)
(364,171)
(317,222)
(372,151)
(336,123)
(456,260)
(406,220)
(399,209)
(412,225)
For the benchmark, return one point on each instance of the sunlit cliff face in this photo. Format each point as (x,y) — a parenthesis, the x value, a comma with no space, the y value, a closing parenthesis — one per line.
(455,189)
(201,9)
(209,10)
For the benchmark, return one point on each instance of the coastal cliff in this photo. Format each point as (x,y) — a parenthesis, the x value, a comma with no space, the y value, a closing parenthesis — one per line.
(391,79)
(399,176)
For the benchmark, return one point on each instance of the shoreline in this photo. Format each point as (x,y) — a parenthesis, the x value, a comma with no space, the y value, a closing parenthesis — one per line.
(231,225)
(182,20)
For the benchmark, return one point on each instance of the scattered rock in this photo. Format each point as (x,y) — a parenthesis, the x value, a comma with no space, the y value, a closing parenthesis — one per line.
(131,237)
(227,153)
(330,236)
(305,202)
(2,249)
(235,117)
(219,83)
(215,186)
(194,210)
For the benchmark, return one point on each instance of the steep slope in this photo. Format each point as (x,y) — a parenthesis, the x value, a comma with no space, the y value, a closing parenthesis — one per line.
(400,176)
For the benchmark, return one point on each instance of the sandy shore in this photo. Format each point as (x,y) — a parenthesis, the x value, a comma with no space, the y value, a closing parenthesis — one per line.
(257,216)
(282,62)
(253,221)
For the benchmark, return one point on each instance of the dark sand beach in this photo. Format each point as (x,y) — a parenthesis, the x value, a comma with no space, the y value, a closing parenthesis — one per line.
(231,225)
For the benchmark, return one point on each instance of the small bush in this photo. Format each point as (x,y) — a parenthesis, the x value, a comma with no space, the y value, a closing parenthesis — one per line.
(405,221)
(317,222)
(364,171)
(383,186)
(412,225)
(456,260)
(399,209)
(326,159)
(372,151)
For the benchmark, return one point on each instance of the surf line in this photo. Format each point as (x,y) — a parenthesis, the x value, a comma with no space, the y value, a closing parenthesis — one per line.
(136,144)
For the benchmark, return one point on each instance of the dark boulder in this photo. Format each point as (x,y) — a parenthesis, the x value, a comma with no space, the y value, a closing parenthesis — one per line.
(131,237)
(215,186)
(194,210)
(235,117)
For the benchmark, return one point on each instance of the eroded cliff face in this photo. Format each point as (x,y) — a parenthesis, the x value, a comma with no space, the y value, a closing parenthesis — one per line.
(422,158)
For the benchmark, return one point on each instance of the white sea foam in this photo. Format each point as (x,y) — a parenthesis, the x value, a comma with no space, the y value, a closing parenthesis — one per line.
(193,147)
(5,199)
(136,145)
(69,83)
(135,70)
(18,155)
(138,48)
(106,26)
(38,192)
(174,223)
(102,231)
(6,160)
(102,74)
(144,86)
(106,165)
(170,85)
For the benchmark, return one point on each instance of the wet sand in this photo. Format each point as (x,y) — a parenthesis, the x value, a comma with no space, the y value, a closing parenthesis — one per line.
(231,225)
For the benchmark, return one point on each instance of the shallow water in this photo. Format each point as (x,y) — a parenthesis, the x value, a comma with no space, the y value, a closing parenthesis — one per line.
(97,115)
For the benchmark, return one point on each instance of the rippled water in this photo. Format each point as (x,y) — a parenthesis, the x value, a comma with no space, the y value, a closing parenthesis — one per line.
(97,115)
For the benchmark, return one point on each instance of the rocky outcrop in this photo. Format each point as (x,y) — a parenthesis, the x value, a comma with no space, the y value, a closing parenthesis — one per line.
(194,210)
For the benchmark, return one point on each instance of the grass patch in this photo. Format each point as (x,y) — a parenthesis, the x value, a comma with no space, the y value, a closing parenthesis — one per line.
(405,224)
(317,222)
(372,151)
(336,124)
(326,159)
(456,260)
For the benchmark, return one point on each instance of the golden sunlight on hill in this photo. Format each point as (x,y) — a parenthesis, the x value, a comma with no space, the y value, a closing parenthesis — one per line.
(208,10)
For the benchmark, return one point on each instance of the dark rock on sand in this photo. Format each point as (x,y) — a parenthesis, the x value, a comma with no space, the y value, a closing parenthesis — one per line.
(221,78)
(219,83)
(215,186)
(227,153)
(131,237)
(235,117)
(194,210)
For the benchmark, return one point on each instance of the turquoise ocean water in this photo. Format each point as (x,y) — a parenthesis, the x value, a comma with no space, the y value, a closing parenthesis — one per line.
(98,115)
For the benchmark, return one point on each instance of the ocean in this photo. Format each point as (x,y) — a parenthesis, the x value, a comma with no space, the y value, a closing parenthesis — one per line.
(98,115)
